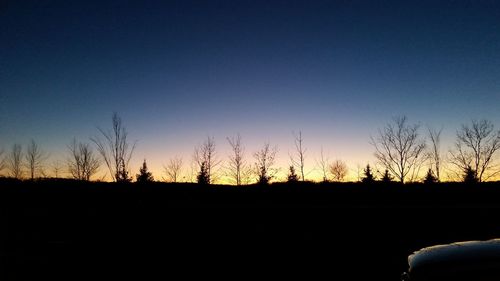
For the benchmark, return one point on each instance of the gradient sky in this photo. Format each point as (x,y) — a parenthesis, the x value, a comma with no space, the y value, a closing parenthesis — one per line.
(177,71)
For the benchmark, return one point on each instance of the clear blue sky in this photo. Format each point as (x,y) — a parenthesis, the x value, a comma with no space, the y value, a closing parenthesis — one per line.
(177,71)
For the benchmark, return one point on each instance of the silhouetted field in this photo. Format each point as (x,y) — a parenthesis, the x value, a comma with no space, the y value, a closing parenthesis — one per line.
(67,229)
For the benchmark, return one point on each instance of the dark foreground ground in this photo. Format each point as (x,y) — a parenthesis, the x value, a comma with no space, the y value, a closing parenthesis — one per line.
(70,230)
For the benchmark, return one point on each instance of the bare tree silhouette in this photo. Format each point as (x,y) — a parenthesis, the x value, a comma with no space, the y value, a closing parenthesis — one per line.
(123,173)
(34,158)
(56,168)
(14,161)
(358,172)
(207,154)
(238,171)
(298,158)
(2,160)
(435,151)
(82,162)
(476,146)
(173,169)
(323,165)
(265,159)
(339,170)
(399,148)
(115,150)
(193,170)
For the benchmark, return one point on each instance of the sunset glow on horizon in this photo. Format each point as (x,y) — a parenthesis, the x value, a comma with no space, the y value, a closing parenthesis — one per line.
(180,71)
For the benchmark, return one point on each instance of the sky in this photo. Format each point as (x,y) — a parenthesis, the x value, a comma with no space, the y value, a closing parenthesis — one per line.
(179,71)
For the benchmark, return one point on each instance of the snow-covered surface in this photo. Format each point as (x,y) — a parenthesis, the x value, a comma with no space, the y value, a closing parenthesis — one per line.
(467,251)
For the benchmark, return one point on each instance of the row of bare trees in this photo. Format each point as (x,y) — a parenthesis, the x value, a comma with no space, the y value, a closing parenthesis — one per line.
(17,162)
(475,147)
(82,162)
(239,171)
(400,149)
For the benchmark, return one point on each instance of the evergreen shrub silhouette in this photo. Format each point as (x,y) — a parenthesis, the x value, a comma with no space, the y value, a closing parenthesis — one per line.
(387,178)
(430,178)
(368,175)
(470,176)
(292,176)
(203,176)
(144,175)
